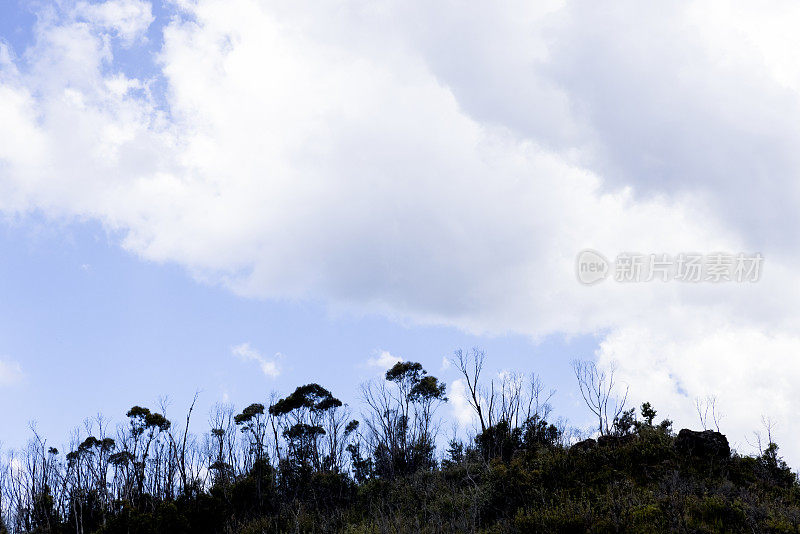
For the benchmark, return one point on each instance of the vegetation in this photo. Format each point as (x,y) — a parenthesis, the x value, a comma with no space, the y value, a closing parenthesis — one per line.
(304,463)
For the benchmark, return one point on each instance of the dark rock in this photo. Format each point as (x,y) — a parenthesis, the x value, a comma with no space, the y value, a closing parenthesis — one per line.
(584,445)
(614,441)
(706,444)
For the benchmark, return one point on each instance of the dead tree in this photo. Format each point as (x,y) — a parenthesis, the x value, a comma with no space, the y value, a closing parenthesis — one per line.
(708,412)
(471,366)
(597,389)
(513,398)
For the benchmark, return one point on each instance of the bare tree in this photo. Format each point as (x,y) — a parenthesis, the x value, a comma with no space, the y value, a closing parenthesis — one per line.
(512,398)
(708,412)
(471,366)
(598,391)
(769,426)
(181,454)
(538,404)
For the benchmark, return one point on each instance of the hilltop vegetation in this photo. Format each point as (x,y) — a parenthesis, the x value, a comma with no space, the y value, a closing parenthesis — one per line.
(306,463)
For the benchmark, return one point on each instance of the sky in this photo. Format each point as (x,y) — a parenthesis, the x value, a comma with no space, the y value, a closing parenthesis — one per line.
(240,196)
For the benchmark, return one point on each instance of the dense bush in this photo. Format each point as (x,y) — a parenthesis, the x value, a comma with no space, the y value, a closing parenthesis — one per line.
(303,465)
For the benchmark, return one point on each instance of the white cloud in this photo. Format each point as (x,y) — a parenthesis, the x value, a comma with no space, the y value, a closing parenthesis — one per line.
(10,372)
(384,360)
(128,19)
(751,371)
(459,403)
(16,465)
(247,353)
(381,161)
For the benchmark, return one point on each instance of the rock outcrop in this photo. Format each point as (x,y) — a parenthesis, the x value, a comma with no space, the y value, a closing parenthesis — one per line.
(584,445)
(706,444)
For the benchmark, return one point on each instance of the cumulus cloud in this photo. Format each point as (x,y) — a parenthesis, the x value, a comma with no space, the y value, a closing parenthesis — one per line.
(383,360)
(128,19)
(382,161)
(247,353)
(752,372)
(459,403)
(10,372)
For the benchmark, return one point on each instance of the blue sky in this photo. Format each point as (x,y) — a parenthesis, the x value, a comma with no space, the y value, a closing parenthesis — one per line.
(97,330)
(320,183)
